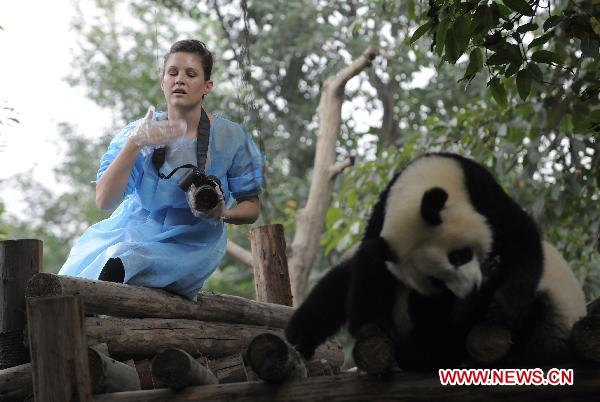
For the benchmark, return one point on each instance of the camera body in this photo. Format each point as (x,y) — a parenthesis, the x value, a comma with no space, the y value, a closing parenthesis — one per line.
(207,196)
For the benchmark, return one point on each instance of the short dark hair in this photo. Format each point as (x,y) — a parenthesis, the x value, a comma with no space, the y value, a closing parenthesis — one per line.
(195,47)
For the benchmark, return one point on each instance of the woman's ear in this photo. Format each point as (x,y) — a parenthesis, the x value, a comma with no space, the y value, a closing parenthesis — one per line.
(209,87)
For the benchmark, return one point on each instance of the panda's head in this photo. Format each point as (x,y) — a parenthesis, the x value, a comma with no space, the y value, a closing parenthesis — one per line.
(438,239)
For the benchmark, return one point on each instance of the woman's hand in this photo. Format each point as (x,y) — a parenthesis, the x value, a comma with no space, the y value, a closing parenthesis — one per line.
(155,133)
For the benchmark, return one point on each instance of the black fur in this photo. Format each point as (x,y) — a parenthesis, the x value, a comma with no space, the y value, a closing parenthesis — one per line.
(361,290)
(433,202)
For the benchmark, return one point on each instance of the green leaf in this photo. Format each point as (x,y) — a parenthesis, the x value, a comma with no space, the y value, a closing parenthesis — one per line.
(520,6)
(524,83)
(532,26)
(546,56)
(552,21)
(475,62)
(450,45)
(535,72)
(541,40)
(462,34)
(422,30)
(440,36)
(498,91)
(511,70)
(502,56)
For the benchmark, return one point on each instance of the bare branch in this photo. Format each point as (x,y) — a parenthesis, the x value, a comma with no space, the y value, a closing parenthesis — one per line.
(239,253)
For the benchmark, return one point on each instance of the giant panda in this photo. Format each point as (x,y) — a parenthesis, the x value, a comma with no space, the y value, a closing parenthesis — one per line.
(446,249)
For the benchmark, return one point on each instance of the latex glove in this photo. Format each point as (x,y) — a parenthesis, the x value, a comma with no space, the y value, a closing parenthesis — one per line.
(155,133)
(215,214)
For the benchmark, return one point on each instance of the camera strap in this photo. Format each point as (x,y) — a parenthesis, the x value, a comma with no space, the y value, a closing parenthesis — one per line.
(202,141)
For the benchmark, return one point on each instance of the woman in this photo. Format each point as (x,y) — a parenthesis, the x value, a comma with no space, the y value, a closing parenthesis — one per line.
(157,237)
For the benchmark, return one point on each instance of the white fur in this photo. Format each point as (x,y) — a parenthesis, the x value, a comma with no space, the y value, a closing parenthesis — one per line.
(420,248)
(562,287)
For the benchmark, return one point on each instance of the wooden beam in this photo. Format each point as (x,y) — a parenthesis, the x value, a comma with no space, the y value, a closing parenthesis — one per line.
(229,369)
(399,386)
(110,375)
(269,262)
(135,337)
(58,349)
(16,383)
(19,261)
(121,300)
(177,369)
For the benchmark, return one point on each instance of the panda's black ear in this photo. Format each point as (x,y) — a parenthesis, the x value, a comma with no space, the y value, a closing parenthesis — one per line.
(431,205)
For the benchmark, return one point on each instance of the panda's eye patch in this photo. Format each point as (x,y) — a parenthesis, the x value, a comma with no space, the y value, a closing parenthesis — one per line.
(460,256)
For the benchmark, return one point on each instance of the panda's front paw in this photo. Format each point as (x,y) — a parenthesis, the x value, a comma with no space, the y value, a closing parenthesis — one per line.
(301,341)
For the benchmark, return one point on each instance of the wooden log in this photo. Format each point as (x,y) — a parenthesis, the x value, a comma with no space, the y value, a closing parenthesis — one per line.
(121,300)
(273,359)
(177,369)
(585,338)
(229,369)
(58,348)
(399,386)
(269,263)
(110,375)
(135,337)
(16,383)
(487,344)
(144,369)
(19,261)
(374,354)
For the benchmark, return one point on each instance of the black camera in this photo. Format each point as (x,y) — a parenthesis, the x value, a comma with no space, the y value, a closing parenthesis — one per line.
(206,197)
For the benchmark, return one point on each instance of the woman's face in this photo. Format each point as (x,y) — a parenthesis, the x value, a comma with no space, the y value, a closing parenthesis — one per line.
(183,81)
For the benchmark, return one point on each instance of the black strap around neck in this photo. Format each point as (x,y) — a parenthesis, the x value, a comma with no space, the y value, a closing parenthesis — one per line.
(202,141)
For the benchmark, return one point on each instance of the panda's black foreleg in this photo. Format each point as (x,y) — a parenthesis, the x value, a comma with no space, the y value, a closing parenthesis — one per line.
(322,313)
(371,292)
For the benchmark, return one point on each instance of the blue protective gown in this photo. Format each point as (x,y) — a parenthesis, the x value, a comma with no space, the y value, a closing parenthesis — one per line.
(160,242)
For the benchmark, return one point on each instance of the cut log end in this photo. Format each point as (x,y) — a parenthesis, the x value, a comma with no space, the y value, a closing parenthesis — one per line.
(585,338)
(374,354)
(273,359)
(488,343)
(43,285)
(177,369)
(170,365)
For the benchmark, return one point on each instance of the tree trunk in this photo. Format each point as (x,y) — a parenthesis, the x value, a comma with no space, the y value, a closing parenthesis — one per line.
(19,261)
(271,277)
(389,125)
(311,219)
(121,300)
(131,337)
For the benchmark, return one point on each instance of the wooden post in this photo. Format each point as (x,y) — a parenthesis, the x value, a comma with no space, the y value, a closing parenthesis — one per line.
(271,276)
(19,261)
(57,343)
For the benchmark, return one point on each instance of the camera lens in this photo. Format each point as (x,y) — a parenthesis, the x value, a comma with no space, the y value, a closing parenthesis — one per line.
(206,198)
